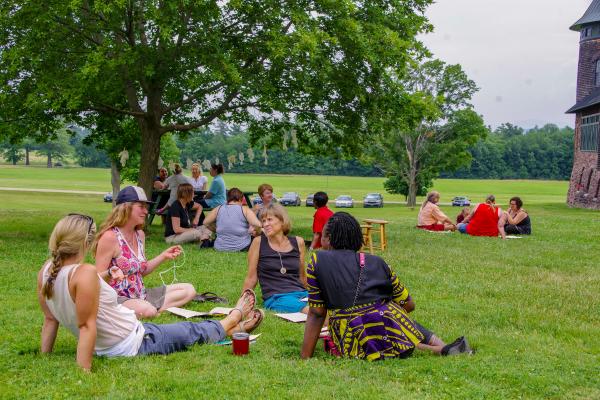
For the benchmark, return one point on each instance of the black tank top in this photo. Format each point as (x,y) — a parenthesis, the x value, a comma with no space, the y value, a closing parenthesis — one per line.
(271,264)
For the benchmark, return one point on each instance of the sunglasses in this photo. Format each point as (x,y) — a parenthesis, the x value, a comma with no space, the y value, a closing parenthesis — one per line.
(89,219)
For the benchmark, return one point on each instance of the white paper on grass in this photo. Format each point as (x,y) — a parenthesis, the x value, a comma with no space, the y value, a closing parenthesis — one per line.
(182,312)
(514,237)
(293,317)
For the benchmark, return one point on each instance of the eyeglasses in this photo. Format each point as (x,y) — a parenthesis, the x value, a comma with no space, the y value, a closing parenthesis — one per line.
(87,218)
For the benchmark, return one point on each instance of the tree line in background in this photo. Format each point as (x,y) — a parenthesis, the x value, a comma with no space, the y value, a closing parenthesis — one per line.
(509,152)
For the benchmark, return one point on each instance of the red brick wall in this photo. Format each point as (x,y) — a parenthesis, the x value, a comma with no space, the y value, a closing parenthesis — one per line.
(585,178)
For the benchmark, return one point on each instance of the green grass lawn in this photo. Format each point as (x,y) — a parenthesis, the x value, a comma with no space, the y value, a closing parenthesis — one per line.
(531,307)
(97,179)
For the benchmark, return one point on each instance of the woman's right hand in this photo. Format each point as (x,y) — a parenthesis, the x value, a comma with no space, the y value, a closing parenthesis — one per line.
(116,274)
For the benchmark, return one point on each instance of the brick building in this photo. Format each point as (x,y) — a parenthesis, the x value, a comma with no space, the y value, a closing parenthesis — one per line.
(584,187)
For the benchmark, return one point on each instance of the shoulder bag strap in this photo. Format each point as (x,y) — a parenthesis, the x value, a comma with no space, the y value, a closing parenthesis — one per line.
(361,257)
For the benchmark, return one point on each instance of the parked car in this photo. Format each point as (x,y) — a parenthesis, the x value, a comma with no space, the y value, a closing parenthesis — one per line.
(373,200)
(290,199)
(309,200)
(257,200)
(461,201)
(108,198)
(344,201)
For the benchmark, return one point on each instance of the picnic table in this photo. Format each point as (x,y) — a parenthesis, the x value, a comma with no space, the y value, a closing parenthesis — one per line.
(161,197)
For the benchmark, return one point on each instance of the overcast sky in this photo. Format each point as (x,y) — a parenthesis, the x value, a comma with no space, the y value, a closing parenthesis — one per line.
(520,53)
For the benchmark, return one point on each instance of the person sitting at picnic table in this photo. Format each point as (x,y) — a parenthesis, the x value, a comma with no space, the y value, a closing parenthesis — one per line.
(320,218)
(159,180)
(265,192)
(172,183)
(72,293)
(198,180)
(121,260)
(366,303)
(276,261)
(516,221)
(233,221)
(484,220)
(431,218)
(182,224)
(217,193)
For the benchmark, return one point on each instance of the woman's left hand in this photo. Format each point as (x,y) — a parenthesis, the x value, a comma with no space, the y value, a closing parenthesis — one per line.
(172,252)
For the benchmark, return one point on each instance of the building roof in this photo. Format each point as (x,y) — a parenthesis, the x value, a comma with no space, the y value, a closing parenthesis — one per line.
(591,15)
(590,100)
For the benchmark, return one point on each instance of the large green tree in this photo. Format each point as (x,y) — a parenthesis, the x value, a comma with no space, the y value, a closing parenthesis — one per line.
(179,65)
(424,125)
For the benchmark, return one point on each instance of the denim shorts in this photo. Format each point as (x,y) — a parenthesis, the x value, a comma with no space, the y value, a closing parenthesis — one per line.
(287,302)
(462,228)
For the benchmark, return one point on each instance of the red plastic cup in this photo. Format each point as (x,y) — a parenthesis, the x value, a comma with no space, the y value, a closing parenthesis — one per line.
(241,343)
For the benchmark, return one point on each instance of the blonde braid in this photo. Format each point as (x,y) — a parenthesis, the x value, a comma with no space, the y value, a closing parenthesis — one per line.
(48,289)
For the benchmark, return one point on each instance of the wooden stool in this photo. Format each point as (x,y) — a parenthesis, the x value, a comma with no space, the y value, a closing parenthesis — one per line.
(382,238)
(367,237)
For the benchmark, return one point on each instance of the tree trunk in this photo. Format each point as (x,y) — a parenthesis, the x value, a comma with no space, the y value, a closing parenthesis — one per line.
(412,188)
(149,158)
(115,180)
(49,165)
(26,155)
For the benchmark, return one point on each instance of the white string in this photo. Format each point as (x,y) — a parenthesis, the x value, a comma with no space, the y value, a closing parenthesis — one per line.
(174,269)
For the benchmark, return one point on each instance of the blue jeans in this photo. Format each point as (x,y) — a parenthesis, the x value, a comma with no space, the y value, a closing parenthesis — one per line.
(462,228)
(287,302)
(169,338)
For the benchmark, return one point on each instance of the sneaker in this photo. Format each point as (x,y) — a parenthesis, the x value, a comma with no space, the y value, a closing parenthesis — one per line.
(459,346)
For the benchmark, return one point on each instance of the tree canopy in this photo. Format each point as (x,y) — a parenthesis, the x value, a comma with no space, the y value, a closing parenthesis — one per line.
(424,125)
(176,66)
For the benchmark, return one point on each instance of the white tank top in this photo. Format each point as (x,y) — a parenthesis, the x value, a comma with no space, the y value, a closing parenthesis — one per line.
(118,331)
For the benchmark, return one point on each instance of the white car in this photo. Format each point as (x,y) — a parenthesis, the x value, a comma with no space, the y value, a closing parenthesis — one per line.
(344,201)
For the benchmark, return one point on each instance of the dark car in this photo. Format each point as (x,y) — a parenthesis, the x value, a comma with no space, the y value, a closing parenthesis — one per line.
(309,200)
(461,201)
(373,200)
(290,199)
(108,198)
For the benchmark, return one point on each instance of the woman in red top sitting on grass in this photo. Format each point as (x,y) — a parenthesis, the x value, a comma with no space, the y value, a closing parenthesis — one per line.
(484,220)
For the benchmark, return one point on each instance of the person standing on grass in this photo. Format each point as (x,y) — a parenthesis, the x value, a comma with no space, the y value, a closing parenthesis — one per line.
(320,218)
(73,294)
(431,218)
(121,260)
(276,261)
(484,220)
(366,303)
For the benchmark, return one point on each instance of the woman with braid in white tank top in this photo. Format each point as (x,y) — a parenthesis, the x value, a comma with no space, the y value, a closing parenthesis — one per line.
(73,294)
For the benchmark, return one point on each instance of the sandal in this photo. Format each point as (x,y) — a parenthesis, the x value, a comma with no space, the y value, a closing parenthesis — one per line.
(211,297)
(257,316)
(249,292)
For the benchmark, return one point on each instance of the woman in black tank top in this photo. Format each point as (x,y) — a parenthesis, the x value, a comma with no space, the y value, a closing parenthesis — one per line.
(276,261)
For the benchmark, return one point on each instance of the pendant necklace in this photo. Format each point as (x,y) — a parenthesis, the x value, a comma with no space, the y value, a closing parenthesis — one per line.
(283,270)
